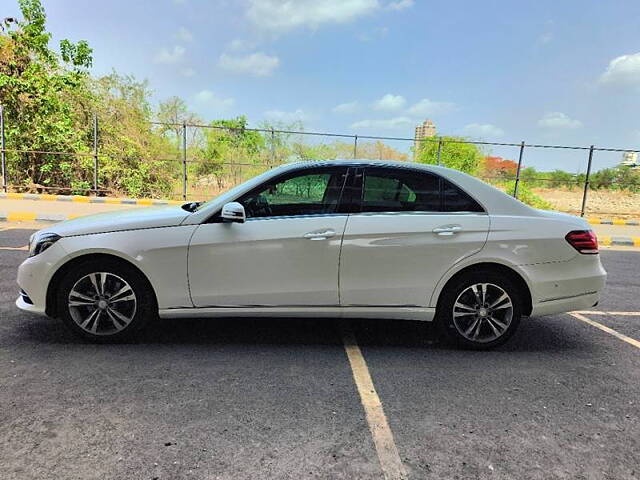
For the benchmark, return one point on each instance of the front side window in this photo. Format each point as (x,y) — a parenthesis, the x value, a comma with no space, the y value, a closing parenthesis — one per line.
(396,190)
(304,193)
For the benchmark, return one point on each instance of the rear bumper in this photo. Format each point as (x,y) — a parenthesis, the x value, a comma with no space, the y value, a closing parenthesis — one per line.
(566,286)
(580,302)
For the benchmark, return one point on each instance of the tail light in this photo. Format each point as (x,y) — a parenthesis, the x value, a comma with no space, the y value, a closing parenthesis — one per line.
(584,241)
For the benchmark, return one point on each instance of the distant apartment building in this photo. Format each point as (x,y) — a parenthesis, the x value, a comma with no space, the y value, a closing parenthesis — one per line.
(425,130)
(630,159)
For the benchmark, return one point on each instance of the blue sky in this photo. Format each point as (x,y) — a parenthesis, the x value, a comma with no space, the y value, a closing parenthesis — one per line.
(546,71)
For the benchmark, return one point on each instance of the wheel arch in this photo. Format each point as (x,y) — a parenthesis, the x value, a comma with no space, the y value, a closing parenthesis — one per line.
(510,272)
(51,307)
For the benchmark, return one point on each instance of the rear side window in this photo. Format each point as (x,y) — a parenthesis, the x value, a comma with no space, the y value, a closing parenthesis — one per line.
(405,190)
(455,200)
(395,190)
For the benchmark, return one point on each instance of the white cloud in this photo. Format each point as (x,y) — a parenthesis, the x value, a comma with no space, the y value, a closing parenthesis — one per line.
(346,108)
(400,4)
(483,130)
(188,72)
(558,120)
(387,124)
(170,56)
(283,15)
(286,117)
(426,107)
(545,38)
(184,35)
(258,63)
(239,44)
(623,70)
(210,99)
(390,102)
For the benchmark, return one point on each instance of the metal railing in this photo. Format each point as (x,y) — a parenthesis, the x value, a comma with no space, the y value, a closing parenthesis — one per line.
(270,133)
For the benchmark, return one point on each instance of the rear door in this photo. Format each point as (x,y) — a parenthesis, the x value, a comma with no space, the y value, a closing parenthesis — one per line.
(409,227)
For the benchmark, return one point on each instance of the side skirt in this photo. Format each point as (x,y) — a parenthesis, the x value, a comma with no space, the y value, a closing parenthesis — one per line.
(400,313)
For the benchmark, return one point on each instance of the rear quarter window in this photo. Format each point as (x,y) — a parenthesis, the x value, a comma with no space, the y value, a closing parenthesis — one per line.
(455,199)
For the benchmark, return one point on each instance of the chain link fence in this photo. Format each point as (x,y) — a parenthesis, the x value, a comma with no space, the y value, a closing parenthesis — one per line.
(200,161)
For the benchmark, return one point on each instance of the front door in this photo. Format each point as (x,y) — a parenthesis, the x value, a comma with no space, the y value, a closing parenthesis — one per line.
(410,228)
(286,253)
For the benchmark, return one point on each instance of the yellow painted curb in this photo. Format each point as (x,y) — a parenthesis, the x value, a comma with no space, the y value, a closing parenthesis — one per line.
(113,201)
(48,197)
(144,201)
(636,241)
(619,221)
(605,240)
(21,216)
(80,199)
(71,216)
(593,221)
(15,196)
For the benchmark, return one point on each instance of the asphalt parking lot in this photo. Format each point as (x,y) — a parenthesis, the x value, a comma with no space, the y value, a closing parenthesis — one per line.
(248,398)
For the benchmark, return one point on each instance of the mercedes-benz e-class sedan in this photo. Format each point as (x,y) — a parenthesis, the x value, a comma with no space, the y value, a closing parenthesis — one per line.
(323,239)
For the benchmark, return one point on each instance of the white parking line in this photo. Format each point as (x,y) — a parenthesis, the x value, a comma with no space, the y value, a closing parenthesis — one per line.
(388,455)
(599,312)
(611,331)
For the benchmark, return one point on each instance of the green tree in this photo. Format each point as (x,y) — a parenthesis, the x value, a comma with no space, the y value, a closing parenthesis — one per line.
(44,96)
(455,153)
(228,142)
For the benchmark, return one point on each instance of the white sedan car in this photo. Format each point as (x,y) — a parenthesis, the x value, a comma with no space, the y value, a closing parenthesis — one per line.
(323,239)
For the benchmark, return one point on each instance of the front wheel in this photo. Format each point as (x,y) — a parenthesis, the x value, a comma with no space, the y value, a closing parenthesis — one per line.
(104,300)
(480,310)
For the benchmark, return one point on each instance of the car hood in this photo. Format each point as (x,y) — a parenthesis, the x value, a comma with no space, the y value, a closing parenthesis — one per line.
(132,219)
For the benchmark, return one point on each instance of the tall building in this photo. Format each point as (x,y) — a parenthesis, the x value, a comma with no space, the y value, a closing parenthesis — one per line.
(425,130)
(630,159)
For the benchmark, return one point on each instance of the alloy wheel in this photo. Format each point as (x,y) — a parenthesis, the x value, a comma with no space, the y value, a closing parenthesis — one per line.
(482,312)
(102,303)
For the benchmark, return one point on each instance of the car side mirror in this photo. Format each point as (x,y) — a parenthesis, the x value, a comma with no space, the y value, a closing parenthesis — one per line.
(233,212)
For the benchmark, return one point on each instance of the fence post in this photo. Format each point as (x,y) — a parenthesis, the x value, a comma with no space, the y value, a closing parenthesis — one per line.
(95,154)
(2,152)
(355,147)
(439,150)
(515,187)
(184,160)
(586,182)
(273,146)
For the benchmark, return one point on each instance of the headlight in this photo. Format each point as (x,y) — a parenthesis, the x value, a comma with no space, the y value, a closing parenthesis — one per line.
(39,242)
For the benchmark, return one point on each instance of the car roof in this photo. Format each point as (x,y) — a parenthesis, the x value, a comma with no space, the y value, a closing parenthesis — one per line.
(361,163)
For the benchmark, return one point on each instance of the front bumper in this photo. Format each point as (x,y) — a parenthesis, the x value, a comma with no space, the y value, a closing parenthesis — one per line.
(34,275)
(28,307)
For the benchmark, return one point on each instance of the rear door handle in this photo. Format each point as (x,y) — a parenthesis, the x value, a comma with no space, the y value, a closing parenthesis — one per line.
(320,234)
(446,230)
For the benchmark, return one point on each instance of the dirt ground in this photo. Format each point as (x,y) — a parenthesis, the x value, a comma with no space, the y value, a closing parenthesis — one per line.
(619,204)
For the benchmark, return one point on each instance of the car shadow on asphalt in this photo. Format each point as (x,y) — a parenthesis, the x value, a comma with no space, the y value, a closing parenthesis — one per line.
(550,334)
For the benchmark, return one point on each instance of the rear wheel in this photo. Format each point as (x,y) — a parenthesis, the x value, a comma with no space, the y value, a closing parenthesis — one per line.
(105,300)
(480,310)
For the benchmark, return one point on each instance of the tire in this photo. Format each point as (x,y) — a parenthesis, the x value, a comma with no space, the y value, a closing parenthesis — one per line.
(470,323)
(105,300)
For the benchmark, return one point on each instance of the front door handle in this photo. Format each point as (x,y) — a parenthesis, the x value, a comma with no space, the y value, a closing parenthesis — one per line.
(446,230)
(320,234)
